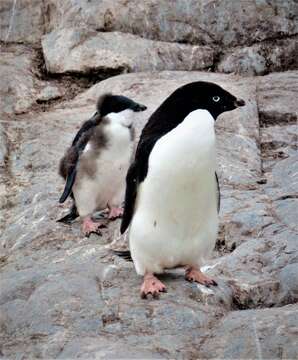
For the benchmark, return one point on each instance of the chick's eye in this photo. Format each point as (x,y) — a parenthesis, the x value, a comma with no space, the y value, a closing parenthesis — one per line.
(216,98)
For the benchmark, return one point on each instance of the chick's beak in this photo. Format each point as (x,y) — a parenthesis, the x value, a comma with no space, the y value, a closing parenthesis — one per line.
(141,107)
(239,102)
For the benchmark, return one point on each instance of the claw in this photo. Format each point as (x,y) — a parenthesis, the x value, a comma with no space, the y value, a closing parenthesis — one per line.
(152,286)
(89,226)
(192,274)
(115,212)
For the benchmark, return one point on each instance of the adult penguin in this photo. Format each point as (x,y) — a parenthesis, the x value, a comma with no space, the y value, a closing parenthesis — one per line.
(172,193)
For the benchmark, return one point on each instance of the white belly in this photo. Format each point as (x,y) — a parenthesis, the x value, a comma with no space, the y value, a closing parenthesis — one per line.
(175,221)
(106,184)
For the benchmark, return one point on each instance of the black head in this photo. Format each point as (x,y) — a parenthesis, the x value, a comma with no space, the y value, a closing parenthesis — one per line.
(188,98)
(207,96)
(109,103)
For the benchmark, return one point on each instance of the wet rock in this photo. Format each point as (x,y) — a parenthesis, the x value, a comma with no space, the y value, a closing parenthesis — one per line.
(260,59)
(84,51)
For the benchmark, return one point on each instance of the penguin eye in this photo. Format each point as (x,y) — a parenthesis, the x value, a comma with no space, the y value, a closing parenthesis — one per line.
(216,98)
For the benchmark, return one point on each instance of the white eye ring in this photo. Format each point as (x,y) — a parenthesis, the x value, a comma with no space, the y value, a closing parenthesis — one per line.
(216,98)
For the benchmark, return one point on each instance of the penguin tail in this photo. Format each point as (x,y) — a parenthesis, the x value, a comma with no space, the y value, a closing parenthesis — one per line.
(125,254)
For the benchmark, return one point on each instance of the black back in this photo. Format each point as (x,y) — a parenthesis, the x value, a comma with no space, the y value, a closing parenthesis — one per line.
(190,97)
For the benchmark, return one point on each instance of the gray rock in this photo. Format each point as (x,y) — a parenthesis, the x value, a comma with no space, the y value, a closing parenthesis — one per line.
(3,147)
(255,334)
(282,181)
(189,21)
(21,21)
(49,93)
(277,98)
(286,211)
(17,83)
(260,59)
(288,279)
(23,85)
(66,296)
(84,51)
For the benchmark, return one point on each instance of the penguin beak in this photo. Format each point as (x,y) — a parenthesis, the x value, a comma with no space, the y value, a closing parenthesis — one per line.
(140,107)
(239,102)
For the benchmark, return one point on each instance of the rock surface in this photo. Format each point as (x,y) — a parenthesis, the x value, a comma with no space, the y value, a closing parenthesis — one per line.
(265,334)
(261,59)
(247,37)
(21,21)
(216,22)
(21,83)
(85,51)
(66,296)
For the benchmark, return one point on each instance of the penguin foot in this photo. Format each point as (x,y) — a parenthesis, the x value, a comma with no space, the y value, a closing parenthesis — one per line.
(152,286)
(192,274)
(89,226)
(115,212)
(71,216)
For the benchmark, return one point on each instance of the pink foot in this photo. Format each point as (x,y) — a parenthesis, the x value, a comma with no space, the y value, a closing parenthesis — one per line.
(89,226)
(115,212)
(192,274)
(151,285)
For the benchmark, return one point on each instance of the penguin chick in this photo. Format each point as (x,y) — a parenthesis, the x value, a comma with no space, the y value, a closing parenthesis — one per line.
(172,192)
(95,165)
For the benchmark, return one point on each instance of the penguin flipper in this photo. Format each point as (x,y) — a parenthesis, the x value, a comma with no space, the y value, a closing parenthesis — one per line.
(135,175)
(218,192)
(130,197)
(87,125)
(72,215)
(70,160)
(68,185)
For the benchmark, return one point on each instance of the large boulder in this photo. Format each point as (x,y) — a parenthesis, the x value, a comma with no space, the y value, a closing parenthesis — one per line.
(83,51)
(220,22)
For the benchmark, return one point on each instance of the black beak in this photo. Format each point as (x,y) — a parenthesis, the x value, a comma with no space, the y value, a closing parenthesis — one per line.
(239,102)
(140,107)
